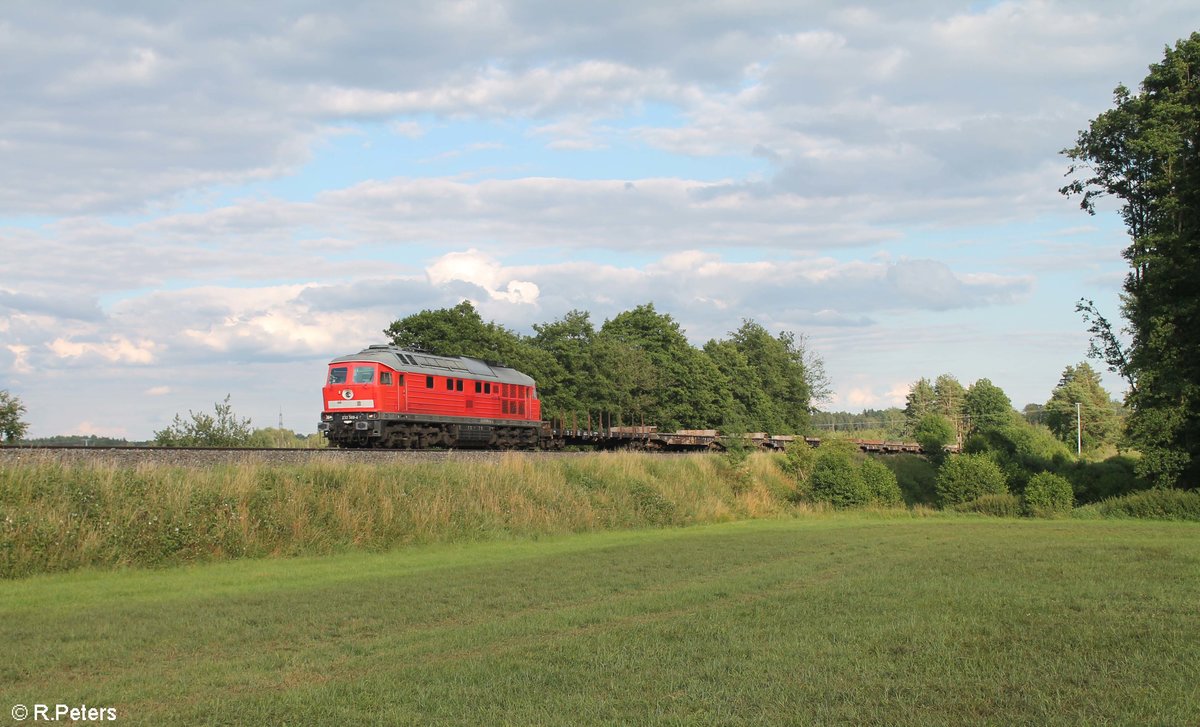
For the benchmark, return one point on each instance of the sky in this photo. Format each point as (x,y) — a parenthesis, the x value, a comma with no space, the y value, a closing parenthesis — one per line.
(202,199)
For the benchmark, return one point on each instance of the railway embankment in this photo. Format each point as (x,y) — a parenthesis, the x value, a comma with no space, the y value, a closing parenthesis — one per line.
(216,456)
(63,510)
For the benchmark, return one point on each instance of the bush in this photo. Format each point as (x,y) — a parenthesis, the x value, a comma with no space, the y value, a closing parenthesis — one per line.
(222,428)
(1156,504)
(1113,477)
(837,479)
(968,477)
(1003,505)
(798,459)
(881,483)
(1021,450)
(1048,495)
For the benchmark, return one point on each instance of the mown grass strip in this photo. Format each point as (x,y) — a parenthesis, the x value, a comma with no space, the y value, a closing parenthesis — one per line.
(843,619)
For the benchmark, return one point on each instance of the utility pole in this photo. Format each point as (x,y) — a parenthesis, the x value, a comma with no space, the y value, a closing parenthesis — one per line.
(1079,431)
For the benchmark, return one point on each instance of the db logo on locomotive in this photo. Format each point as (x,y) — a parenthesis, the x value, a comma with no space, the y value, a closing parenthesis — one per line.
(347,394)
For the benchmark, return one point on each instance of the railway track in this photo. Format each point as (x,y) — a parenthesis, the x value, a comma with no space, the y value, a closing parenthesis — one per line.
(134,455)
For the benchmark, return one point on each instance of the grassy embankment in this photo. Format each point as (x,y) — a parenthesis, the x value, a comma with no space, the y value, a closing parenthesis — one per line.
(841,619)
(55,517)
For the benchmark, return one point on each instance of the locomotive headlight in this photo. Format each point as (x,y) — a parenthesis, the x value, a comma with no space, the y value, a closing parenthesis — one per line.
(372,415)
(327,417)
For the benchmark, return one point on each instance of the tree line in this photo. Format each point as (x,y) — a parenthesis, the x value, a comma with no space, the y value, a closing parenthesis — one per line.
(1079,412)
(638,367)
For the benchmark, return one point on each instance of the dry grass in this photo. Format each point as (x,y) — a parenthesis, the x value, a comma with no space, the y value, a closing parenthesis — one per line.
(56,517)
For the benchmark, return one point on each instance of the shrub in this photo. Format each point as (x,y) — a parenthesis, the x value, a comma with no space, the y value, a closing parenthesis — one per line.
(880,482)
(1113,477)
(1048,495)
(1020,450)
(222,428)
(968,477)
(798,459)
(1002,505)
(837,479)
(1156,504)
(652,504)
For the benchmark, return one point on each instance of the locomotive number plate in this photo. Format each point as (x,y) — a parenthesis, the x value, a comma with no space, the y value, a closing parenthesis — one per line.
(355,404)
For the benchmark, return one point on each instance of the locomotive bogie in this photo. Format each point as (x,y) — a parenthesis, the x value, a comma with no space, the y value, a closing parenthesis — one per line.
(414,431)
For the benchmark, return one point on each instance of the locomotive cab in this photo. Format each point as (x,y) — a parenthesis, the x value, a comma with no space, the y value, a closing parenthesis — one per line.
(356,393)
(363,386)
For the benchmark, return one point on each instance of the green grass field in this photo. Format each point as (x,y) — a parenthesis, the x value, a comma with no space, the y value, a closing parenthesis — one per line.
(833,619)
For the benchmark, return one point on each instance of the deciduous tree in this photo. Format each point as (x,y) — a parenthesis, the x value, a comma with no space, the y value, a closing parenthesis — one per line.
(986,405)
(222,428)
(12,426)
(1145,151)
(933,433)
(1097,412)
(772,377)
(690,390)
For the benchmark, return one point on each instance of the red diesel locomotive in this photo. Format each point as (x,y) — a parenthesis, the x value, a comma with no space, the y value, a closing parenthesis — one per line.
(385,396)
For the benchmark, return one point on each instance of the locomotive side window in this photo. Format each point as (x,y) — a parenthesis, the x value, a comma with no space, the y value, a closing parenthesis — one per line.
(428,382)
(385,378)
(449,384)
(487,387)
(337,375)
(458,385)
(400,380)
(478,387)
(364,374)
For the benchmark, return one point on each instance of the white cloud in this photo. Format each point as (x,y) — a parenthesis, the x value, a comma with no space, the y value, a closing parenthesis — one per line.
(478,269)
(117,349)
(767,75)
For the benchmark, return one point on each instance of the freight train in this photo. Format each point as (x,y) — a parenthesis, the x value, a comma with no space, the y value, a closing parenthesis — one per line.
(394,398)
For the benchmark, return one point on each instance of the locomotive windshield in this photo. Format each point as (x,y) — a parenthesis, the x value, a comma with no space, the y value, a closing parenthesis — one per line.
(362,374)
